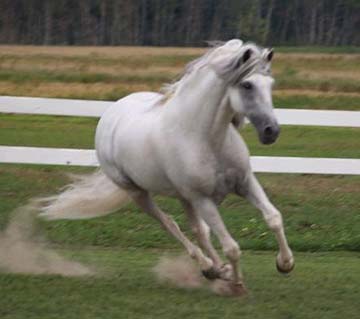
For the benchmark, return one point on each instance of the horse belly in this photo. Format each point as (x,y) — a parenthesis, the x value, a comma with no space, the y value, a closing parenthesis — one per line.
(143,168)
(134,152)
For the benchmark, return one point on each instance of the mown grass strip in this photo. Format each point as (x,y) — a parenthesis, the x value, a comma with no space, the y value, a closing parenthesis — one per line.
(283,81)
(324,85)
(303,99)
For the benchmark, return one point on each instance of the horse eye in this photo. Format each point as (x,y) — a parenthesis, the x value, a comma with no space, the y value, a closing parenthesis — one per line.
(247,85)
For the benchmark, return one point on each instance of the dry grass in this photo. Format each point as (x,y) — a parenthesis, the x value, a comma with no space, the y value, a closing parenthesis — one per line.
(101,91)
(316,56)
(112,72)
(112,91)
(330,74)
(24,64)
(24,50)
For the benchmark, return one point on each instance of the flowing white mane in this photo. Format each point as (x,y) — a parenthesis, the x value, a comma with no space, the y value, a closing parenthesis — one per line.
(227,60)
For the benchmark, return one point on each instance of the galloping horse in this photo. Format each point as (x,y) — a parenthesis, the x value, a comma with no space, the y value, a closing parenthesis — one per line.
(185,144)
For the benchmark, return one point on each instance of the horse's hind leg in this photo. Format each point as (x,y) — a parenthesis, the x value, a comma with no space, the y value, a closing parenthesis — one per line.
(256,195)
(207,210)
(201,231)
(144,201)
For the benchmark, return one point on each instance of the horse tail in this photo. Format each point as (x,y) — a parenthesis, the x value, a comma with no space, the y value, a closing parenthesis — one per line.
(87,196)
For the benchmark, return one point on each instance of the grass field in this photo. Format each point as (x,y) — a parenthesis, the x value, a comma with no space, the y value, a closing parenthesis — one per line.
(323,286)
(321,213)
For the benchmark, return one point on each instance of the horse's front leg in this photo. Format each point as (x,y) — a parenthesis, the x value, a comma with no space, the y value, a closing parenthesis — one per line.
(207,210)
(256,195)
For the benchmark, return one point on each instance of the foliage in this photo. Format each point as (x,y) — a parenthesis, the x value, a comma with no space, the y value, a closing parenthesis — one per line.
(179,22)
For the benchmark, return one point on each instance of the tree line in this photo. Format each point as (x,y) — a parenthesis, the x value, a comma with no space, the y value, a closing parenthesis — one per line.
(179,22)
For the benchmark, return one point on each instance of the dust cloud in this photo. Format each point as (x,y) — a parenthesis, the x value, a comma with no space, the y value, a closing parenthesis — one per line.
(22,251)
(179,271)
(182,272)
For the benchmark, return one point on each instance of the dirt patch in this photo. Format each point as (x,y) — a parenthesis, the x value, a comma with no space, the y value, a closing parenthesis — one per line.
(21,251)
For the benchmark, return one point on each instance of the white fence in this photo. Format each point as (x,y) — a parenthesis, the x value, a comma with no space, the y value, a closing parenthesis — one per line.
(66,107)
(59,156)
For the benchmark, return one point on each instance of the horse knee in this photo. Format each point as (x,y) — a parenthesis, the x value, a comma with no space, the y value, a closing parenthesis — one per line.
(201,230)
(274,222)
(196,254)
(204,229)
(232,251)
(195,230)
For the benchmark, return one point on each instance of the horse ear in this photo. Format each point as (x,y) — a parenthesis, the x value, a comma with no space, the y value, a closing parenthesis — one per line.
(247,55)
(270,55)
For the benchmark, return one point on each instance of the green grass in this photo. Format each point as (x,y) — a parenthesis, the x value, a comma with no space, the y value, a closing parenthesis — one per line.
(335,102)
(320,213)
(308,141)
(324,85)
(322,286)
(48,131)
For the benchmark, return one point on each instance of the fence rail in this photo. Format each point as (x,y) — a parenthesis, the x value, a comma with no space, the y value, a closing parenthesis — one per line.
(81,157)
(67,107)
(78,157)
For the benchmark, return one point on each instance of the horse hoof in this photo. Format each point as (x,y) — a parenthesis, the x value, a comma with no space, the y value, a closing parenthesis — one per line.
(283,270)
(226,272)
(211,273)
(228,288)
(238,289)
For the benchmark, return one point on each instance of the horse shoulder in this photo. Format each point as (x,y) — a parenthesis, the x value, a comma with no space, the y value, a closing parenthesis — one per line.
(191,167)
(235,151)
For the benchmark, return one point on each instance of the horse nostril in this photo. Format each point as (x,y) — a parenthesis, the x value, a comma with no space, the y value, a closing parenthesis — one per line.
(268,131)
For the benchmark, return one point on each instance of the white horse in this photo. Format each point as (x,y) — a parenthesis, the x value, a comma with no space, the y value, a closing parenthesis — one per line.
(185,144)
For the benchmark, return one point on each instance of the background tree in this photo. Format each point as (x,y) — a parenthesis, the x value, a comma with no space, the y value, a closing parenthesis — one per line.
(179,22)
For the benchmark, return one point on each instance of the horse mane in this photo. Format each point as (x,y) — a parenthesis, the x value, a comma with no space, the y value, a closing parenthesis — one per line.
(226,58)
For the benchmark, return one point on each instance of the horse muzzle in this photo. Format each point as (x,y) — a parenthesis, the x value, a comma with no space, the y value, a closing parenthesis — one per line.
(269,134)
(266,126)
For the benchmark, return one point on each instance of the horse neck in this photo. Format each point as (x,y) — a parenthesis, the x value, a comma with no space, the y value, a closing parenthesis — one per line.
(223,118)
(200,106)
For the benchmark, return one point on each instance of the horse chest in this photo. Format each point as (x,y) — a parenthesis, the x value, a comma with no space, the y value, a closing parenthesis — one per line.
(226,180)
